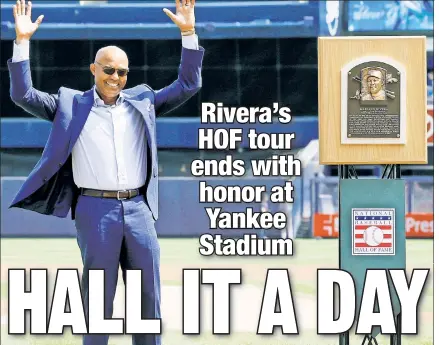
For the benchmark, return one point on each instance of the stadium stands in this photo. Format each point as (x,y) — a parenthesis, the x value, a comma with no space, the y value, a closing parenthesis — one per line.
(257,53)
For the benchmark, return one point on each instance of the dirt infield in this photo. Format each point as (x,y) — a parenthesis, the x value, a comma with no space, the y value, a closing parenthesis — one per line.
(244,314)
(179,254)
(246,304)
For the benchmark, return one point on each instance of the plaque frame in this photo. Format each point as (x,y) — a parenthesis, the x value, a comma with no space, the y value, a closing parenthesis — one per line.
(403,97)
(336,52)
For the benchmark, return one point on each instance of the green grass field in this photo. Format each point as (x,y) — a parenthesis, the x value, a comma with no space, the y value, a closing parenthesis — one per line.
(177,254)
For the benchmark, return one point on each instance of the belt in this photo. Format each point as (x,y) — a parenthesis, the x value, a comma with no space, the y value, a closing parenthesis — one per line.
(119,194)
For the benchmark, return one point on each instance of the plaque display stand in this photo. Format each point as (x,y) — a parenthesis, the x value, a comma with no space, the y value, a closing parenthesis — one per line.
(358,269)
(372,111)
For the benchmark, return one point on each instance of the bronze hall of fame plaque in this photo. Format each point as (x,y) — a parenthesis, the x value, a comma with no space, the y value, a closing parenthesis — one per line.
(373,92)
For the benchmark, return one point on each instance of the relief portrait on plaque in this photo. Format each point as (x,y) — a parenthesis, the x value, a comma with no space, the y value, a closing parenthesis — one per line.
(372,102)
(373,84)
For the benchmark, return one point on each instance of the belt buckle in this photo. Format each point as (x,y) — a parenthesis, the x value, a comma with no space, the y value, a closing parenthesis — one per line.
(118,195)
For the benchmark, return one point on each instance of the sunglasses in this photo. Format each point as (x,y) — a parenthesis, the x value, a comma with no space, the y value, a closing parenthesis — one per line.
(110,70)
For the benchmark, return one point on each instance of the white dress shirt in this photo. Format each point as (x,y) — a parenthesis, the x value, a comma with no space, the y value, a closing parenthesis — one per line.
(110,153)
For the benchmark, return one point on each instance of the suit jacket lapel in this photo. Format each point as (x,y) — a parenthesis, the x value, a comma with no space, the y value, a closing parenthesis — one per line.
(82,106)
(81,109)
(143,107)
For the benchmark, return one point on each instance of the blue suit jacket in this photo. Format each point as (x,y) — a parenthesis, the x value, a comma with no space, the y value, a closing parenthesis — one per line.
(50,188)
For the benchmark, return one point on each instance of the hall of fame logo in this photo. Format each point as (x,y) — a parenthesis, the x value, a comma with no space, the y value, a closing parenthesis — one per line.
(373,231)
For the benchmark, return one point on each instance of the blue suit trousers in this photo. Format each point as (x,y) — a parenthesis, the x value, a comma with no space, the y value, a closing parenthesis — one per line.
(113,232)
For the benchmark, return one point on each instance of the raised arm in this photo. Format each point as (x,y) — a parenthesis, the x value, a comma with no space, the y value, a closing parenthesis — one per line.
(23,94)
(188,82)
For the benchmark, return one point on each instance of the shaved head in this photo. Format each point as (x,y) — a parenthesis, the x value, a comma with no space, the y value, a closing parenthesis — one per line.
(111,52)
(109,62)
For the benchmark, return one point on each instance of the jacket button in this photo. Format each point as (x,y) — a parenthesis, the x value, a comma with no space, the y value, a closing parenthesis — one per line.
(45,179)
(60,164)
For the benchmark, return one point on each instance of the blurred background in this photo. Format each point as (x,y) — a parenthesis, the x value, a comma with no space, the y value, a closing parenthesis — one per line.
(257,53)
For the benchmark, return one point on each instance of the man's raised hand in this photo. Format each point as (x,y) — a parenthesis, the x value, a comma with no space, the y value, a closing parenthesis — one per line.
(185,14)
(24,28)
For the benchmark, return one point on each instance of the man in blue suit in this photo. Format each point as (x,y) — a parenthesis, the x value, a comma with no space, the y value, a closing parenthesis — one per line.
(100,160)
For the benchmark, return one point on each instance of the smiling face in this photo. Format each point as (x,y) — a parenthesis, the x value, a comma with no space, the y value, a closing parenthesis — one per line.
(109,86)
(374,84)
